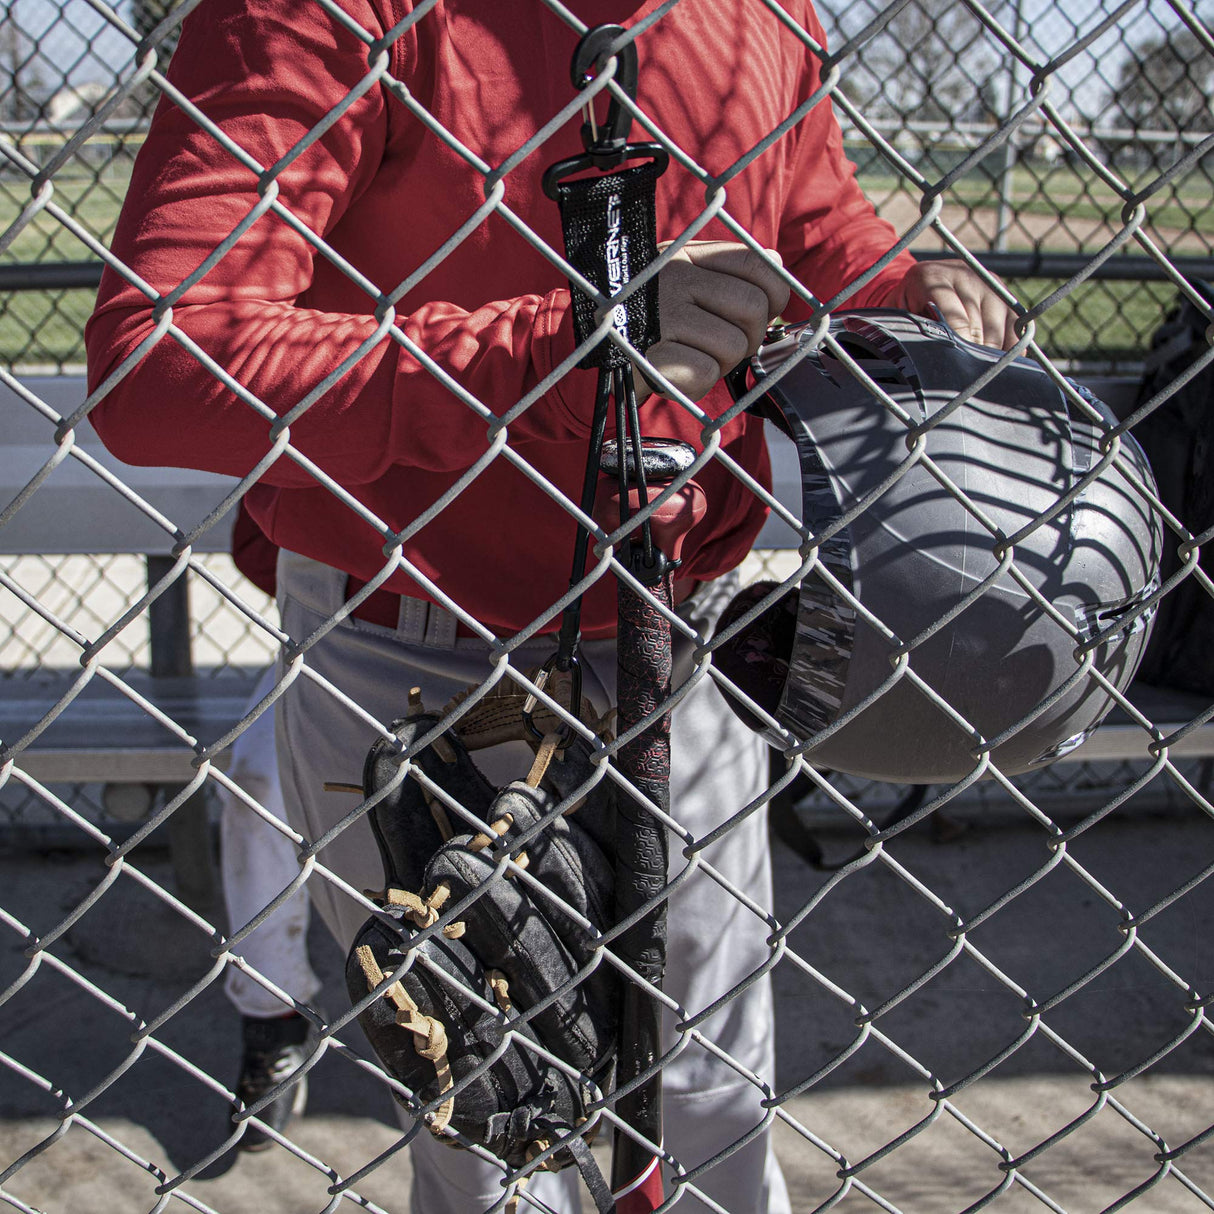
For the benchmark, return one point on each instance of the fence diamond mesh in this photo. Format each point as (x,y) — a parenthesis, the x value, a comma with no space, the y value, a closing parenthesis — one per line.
(990,988)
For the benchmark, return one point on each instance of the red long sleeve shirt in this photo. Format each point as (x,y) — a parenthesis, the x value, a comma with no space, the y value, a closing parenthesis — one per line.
(280,314)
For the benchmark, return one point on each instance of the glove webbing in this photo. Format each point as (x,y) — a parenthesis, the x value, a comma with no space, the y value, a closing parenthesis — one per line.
(498,716)
(424,1028)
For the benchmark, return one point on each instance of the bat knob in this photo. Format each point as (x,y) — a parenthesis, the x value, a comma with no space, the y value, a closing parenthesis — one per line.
(662,460)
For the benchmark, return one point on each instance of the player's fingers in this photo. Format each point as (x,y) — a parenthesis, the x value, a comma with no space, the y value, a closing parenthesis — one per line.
(689,295)
(737,301)
(691,370)
(996,320)
(740,261)
(697,348)
(952,311)
(974,317)
(1010,336)
(972,312)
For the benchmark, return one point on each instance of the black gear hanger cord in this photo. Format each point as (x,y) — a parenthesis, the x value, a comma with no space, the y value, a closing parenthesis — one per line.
(609,222)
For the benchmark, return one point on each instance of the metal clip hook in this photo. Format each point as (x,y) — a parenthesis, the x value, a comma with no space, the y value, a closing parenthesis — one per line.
(605,143)
(607,146)
(572,666)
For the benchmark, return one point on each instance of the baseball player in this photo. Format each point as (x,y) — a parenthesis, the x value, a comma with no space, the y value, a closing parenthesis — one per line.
(395,421)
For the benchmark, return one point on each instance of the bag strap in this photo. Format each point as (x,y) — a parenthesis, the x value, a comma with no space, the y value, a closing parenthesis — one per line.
(609,225)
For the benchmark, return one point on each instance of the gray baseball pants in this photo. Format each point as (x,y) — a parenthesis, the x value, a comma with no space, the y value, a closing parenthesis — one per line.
(715,941)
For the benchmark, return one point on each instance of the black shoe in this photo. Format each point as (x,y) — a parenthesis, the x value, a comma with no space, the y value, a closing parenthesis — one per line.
(273,1049)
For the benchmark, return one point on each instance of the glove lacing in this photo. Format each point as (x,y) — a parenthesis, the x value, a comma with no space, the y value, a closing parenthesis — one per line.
(430,1034)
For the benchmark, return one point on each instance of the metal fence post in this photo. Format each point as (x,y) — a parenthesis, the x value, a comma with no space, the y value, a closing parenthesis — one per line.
(1007,183)
(192,848)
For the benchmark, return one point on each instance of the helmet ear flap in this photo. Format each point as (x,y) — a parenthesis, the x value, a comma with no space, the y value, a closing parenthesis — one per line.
(756,659)
(883,359)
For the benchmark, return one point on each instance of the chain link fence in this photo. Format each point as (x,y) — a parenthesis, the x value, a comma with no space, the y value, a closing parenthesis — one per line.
(85,592)
(992,992)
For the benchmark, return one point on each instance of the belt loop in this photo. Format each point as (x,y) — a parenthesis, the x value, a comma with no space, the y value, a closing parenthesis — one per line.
(440,627)
(413,620)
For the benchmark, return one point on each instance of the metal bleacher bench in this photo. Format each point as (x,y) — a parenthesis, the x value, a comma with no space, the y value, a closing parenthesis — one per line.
(104,737)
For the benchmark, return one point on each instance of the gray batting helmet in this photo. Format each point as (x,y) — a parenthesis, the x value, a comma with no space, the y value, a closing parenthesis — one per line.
(1010,663)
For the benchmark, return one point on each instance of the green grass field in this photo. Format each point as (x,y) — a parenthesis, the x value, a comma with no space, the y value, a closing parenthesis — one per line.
(1106,320)
(93,202)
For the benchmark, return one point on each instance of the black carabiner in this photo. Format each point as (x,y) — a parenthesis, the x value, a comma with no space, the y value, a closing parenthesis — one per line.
(607,146)
(572,666)
(608,141)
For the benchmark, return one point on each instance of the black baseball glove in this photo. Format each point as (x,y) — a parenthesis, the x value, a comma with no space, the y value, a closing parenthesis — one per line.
(517,940)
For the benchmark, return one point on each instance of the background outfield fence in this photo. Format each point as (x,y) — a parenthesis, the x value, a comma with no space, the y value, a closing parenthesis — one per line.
(1131,82)
(1016,1021)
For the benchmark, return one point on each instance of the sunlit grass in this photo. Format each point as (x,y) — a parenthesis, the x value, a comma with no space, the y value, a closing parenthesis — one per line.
(1107,320)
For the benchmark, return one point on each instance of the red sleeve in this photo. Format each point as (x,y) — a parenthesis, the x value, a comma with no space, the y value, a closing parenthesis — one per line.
(267,72)
(830,234)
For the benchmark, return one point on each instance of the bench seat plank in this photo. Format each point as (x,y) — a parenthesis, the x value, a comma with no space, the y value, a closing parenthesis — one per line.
(105,736)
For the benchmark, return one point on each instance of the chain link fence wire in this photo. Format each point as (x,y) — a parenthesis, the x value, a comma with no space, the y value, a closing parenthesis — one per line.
(1035,208)
(86,591)
(1012,1016)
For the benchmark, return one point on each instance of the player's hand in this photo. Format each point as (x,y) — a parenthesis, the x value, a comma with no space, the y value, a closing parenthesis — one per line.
(715,299)
(967,304)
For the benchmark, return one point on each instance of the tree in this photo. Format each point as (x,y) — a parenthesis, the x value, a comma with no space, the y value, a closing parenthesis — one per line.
(146,15)
(19,96)
(929,63)
(1164,87)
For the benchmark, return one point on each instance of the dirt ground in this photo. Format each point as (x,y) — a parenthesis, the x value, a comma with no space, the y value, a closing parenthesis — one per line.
(148,1114)
(976,228)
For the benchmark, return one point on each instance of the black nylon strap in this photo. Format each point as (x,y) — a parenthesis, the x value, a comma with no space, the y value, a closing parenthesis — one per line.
(610,229)
(596,1182)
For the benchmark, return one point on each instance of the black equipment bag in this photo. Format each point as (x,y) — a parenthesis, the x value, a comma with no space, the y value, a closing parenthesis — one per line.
(1178,438)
